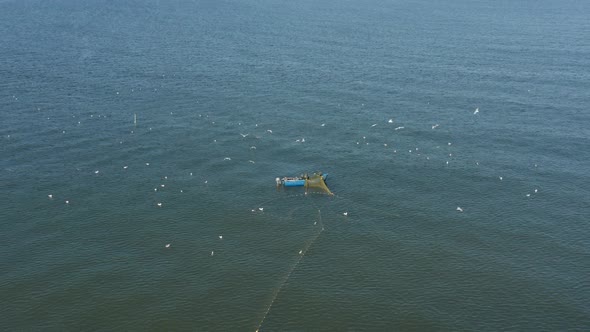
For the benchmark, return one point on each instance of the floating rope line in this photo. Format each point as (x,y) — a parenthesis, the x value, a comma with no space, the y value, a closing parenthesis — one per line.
(302,253)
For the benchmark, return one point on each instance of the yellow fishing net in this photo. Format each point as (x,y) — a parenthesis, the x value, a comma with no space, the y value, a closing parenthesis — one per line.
(316,182)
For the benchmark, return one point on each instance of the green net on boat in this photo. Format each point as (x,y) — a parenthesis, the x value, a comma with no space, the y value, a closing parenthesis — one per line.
(316,182)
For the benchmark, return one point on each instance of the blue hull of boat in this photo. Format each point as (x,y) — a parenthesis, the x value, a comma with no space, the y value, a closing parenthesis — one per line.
(294,183)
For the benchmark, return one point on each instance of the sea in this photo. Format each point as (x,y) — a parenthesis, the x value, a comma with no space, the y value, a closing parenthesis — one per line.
(140,142)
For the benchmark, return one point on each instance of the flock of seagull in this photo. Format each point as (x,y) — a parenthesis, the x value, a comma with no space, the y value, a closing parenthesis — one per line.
(260,209)
(300,140)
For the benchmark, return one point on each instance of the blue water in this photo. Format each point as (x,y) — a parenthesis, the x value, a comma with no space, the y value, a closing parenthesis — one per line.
(197,74)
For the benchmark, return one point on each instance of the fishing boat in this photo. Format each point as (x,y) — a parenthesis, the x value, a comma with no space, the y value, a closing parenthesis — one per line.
(297,181)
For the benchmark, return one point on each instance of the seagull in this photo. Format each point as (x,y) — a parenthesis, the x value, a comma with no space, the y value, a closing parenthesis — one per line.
(323,124)
(528,195)
(50,196)
(221,237)
(300,252)
(125,167)
(251,161)
(459,209)
(96,172)
(435,126)
(390,121)
(449,143)
(302,140)
(205,181)
(67,202)
(261,209)
(501,178)
(244,135)
(398,128)
(162,185)
(476,111)
(155,189)
(253,147)
(536,191)
(270,131)
(147,164)
(227,158)
(160,204)
(345,213)
(168,245)
(212,253)
(373,125)
(191,174)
